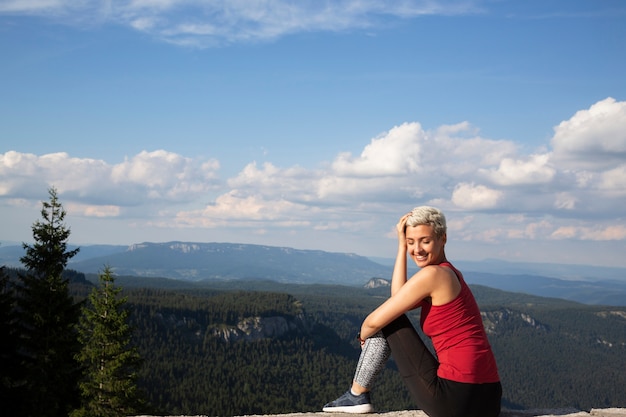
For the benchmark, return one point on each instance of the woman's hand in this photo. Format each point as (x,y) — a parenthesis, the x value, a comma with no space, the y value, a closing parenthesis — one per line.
(401,230)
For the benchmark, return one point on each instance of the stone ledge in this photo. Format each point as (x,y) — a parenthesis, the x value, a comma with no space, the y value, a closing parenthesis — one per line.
(560,412)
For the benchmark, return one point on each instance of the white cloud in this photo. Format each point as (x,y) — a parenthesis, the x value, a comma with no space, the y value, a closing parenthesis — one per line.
(613,232)
(534,229)
(275,181)
(144,24)
(451,166)
(464,149)
(158,175)
(165,174)
(30,6)
(616,232)
(472,196)
(531,170)
(565,201)
(589,155)
(565,232)
(411,164)
(397,152)
(493,190)
(386,166)
(205,23)
(232,209)
(614,180)
(592,139)
(93,210)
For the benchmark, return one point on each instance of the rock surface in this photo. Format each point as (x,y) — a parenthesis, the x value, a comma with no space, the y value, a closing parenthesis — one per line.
(561,412)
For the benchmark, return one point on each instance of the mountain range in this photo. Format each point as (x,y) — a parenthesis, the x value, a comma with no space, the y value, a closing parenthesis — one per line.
(191,261)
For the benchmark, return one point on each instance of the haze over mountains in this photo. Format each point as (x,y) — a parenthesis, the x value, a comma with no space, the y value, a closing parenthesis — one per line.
(192,261)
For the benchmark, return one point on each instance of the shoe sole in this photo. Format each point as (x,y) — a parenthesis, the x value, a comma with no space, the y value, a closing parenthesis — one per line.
(352,409)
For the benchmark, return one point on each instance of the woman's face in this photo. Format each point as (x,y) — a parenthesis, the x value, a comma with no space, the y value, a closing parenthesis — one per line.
(423,246)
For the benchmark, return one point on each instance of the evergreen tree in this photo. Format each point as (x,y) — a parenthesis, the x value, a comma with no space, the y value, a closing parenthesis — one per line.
(48,256)
(48,317)
(109,388)
(10,378)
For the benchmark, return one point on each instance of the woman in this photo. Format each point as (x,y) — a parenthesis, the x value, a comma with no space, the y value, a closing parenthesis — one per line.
(462,381)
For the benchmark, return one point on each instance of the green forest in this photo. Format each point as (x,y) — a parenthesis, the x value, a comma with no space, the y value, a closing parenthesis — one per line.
(551,353)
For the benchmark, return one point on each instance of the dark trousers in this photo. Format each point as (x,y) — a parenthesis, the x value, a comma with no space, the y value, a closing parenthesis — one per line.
(437,397)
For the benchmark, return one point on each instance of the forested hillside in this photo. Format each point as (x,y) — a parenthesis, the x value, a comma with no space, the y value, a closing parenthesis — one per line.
(291,347)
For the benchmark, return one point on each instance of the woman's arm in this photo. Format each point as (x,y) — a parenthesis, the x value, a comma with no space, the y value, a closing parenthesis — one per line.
(398,277)
(420,286)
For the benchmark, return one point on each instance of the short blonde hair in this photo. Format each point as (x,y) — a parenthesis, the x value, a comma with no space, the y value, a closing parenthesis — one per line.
(431,216)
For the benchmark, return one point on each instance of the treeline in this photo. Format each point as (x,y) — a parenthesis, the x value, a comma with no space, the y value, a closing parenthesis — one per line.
(188,370)
(567,357)
(550,353)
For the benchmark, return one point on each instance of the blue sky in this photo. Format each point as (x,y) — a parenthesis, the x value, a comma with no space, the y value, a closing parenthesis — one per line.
(317,124)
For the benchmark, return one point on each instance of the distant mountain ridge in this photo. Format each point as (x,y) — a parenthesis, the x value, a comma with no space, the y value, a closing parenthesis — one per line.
(192,261)
(231,261)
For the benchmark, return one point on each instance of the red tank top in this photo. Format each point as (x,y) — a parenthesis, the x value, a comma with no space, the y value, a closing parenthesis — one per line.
(459,338)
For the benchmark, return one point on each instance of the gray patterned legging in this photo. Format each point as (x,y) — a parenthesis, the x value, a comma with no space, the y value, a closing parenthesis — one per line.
(373,359)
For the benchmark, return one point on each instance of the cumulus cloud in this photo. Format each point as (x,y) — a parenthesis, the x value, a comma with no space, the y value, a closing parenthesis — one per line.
(401,165)
(465,150)
(276,182)
(473,196)
(24,175)
(592,139)
(614,232)
(203,23)
(96,188)
(397,152)
(165,175)
(451,166)
(93,210)
(589,155)
(555,193)
(534,169)
(244,210)
(614,180)
(565,201)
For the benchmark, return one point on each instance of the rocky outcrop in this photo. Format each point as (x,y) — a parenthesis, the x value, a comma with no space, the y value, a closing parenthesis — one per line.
(376,283)
(256,328)
(493,319)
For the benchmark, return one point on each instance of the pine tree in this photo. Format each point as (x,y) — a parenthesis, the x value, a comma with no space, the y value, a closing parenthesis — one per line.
(10,378)
(48,317)
(48,256)
(109,388)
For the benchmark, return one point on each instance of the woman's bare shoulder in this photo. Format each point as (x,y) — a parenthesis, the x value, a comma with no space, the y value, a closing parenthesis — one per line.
(432,276)
(435,271)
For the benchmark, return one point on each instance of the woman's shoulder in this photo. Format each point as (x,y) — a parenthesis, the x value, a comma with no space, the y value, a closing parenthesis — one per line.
(444,268)
(439,274)
(445,284)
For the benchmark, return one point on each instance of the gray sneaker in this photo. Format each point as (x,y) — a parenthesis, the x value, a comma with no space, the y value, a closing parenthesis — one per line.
(348,403)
